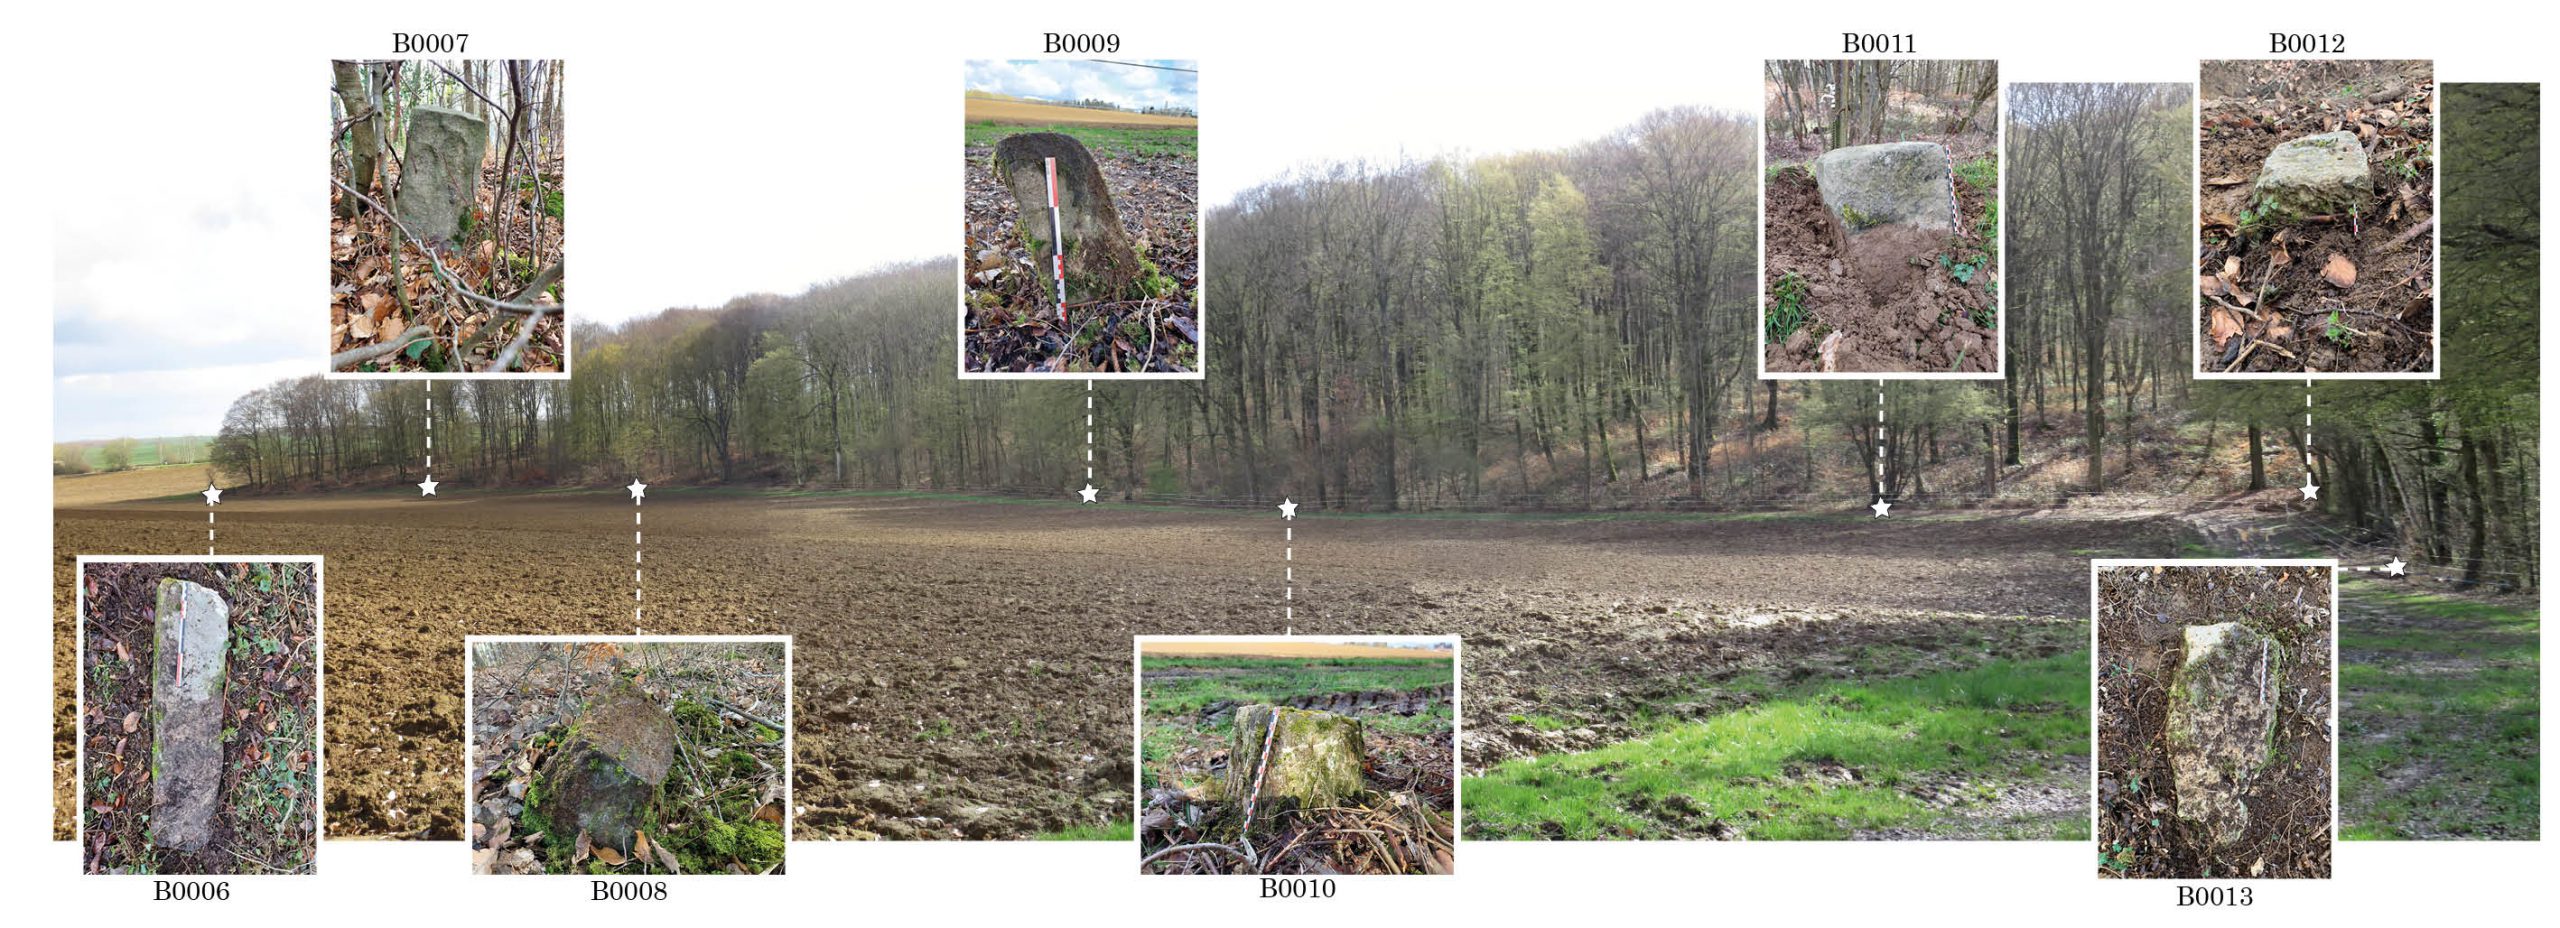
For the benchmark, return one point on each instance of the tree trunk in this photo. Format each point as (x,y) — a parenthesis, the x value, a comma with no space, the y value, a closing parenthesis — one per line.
(362,143)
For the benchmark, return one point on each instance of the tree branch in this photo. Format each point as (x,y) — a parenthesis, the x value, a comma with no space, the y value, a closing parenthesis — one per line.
(441,271)
(354,356)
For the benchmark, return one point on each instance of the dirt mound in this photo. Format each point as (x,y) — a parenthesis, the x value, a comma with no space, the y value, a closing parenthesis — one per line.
(1888,299)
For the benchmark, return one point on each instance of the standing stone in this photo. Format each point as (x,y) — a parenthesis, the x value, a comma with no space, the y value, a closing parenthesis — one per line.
(1101,265)
(191,635)
(440,171)
(604,777)
(1316,757)
(2222,717)
(2315,175)
(1895,184)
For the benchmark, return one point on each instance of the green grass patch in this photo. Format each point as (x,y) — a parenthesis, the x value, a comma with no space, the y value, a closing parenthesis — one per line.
(1761,771)
(1271,680)
(1166,140)
(2441,720)
(1980,173)
(1786,306)
(1122,830)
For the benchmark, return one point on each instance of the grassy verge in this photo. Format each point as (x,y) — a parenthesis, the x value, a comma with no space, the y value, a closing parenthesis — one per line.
(1183,140)
(2441,717)
(1276,679)
(1820,762)
(1122,830)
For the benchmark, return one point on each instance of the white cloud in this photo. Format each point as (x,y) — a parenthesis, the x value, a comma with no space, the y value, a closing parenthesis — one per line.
(150,403)
(1126,85)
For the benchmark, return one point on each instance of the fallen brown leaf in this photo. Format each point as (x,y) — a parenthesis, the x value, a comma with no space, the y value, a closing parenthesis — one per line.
(2224,326)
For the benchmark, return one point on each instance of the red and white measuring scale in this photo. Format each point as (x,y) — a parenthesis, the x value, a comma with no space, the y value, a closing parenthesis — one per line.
(1057,240)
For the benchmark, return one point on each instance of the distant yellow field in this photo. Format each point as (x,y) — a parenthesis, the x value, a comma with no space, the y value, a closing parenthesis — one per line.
(1285,649)
(139,483)
(1024,112)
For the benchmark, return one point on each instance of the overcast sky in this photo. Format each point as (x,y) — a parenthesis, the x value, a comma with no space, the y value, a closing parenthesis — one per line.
(185,278)
(1268,117)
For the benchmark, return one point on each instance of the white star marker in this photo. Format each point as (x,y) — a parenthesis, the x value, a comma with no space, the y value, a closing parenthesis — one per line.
(1087,494)
(2396,568)
(212,494)
(2310,490)
(427,487)
(1288,509)
(1881,507)
(638,490)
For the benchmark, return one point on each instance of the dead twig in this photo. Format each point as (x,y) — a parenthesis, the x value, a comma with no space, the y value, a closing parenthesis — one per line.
(354,356)
(441,271)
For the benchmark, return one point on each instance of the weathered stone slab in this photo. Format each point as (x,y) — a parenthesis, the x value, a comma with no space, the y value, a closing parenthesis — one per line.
(2315,175)
(1316,757)
(191,635)
(440,171)
(605,775)
(1101,264)
(2222,716)
(1894,184)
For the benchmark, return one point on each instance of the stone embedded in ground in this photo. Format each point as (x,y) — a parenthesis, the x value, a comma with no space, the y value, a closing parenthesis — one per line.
(1894,184)
(190,660)
(2316,175)
(1316,757)
(1100,262)
(605,775)
(440,171)
(2222,717)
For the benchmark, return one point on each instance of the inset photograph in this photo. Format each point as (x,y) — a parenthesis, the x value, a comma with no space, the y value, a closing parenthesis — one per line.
(1082,249)
(2217,708)
(199,715)
(1297,754)
(1880,199)
(448,218)
(2316,219)
(622,756)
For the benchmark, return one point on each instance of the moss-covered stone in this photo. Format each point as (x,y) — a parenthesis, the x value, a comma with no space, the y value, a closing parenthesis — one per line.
(1317,758)
(604,778)
(1100,262)
(190,665)
(2315,175)
(2222,715)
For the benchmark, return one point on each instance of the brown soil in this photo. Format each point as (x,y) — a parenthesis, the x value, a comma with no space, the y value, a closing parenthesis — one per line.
(1897,307)
(2267,279)
(963,668)
(2142,612)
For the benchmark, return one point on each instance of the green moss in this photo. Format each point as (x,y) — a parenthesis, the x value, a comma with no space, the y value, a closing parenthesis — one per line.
(721,838)
(759,845)
(695,715)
